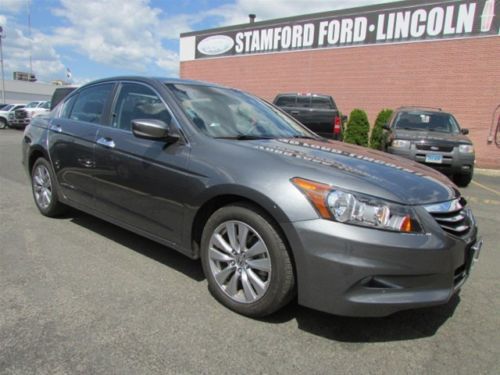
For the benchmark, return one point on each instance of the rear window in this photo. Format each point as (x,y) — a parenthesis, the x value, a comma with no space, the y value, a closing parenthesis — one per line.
(286,101)
(304,101)
(322,103)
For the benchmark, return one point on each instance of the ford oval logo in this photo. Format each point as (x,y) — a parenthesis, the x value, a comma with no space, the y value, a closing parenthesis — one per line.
(215,45)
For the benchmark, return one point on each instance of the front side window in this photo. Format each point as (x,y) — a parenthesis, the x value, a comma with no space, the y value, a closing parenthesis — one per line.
(136,102)
(45,105)
(68,106)
(226,113)
(32,105)
(90,103)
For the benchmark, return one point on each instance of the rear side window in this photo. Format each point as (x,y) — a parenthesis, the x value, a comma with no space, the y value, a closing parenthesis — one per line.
(90,103)
(322,103)
(286,101)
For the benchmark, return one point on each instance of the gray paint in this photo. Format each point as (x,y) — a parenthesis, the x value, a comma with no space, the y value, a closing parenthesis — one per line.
(155,189)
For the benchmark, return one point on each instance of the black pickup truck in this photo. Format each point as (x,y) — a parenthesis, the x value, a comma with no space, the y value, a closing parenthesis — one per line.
(316,111)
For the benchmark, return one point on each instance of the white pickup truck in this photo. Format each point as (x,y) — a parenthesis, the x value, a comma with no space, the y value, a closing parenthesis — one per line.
(22,117)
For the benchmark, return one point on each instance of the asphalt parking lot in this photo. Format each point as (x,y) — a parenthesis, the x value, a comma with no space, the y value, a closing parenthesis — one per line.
(79,295)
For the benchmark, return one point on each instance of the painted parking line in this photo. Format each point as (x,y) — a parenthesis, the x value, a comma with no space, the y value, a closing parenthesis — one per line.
(489,202)
(486,188)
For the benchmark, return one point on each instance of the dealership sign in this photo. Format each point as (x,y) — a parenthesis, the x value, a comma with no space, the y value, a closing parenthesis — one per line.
(407,21)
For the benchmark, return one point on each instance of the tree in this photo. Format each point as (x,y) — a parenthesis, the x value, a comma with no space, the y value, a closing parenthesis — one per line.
(376,139)
(357,128)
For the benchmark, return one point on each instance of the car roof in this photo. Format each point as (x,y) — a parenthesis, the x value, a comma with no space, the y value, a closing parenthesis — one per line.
(151,79)
(311,94)
(421,109)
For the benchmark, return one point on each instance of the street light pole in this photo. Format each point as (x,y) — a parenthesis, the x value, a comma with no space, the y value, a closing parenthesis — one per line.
(1,62)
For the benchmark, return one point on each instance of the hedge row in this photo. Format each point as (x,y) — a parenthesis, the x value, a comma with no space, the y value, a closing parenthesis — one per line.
(358,128)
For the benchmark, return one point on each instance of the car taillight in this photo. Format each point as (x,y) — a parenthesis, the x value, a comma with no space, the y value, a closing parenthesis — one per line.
(337,126)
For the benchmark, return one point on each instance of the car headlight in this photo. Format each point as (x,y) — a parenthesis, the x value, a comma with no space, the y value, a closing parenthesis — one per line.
(466,149)
(400,143)
(358,209)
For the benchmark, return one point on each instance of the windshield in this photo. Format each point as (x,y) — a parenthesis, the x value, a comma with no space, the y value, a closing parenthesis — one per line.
(32,105)
(227,113)
(426,121)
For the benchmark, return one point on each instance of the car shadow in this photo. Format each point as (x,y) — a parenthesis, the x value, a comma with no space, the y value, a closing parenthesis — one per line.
(162,254)
(405,325)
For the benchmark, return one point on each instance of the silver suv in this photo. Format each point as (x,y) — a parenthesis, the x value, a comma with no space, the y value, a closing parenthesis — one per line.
(432,137)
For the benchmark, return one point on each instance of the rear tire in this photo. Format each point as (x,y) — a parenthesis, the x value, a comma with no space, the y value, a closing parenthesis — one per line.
(462,179)
(44,189)
(246,262)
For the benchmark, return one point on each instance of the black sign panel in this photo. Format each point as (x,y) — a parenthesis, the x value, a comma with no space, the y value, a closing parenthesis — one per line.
(417,21)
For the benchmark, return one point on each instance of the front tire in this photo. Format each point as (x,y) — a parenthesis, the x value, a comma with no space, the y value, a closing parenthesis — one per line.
(462,179)
(44,189)
(3,123)
(246,262)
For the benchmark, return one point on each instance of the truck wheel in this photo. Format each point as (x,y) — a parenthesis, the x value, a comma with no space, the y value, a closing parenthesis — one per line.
(462,179)
(246,261)
(44,189)
(3,123)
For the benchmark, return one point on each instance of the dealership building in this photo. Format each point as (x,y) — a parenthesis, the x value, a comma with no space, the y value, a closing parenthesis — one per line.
(442,54)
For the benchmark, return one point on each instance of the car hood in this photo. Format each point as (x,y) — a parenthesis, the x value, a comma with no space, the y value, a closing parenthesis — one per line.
(357,169)
(431,137)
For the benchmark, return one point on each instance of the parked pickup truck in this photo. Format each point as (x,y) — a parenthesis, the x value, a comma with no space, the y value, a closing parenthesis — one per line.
(316,111)
(20,118)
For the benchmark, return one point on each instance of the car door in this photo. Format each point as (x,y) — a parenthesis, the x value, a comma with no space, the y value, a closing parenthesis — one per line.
(139,181)
(71,141)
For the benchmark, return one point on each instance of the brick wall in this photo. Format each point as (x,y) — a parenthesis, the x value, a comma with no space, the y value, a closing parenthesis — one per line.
(461,76)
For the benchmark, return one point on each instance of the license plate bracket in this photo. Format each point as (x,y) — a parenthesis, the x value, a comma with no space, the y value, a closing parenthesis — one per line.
(434,158)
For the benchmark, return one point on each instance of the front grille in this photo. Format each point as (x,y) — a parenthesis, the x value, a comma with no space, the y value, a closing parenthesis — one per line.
(20,114)
(452,216)
(435,148)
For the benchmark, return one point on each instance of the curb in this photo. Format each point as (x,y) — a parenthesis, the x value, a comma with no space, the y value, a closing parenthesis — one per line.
(487,172)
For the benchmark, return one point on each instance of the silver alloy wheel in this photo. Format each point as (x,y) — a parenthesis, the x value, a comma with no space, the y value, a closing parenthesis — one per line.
(42,186)
(239,261)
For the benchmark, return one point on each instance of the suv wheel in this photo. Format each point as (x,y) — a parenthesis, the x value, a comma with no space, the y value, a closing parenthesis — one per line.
(246,262)
(462,179)
(44,189)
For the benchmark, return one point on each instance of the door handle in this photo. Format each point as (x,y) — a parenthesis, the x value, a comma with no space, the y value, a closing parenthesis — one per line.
(106,142)
(56,128)
(294,112)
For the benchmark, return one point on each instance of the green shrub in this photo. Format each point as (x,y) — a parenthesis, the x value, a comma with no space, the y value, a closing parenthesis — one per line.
(357,128)
(376,139)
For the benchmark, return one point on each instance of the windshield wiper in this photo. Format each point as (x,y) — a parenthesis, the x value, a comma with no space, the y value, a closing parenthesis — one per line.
(301,136)
(244,137)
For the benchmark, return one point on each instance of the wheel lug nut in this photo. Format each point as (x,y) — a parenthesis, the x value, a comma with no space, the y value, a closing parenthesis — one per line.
(232,263)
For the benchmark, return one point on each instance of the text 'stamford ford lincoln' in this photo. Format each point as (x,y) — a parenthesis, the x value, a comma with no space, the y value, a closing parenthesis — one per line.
(273,210)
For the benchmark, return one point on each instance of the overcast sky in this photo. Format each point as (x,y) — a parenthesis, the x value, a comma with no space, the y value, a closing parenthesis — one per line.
(100,38)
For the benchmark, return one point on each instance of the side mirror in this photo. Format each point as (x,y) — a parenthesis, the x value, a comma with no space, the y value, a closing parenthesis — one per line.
(153,129)
(464,131)
(344,119)
(386,127)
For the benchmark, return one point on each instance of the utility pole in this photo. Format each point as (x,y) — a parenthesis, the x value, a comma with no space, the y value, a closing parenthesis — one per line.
(1,62)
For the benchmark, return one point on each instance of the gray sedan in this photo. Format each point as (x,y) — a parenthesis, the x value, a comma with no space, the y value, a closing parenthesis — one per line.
(273,210)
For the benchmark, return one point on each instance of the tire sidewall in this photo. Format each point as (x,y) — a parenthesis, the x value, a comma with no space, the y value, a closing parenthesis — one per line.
(277,252)
(53,207)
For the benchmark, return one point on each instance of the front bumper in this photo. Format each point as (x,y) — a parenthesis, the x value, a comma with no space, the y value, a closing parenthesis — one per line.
(19,123)
(355,271)
(453,162)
